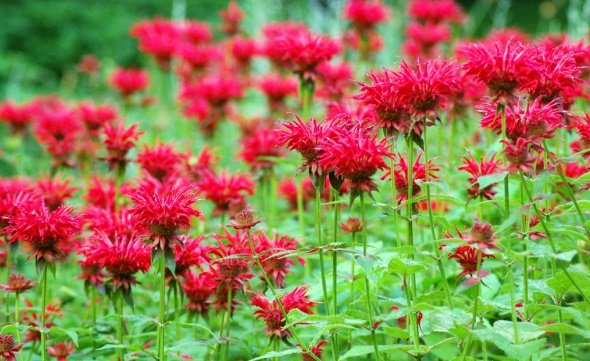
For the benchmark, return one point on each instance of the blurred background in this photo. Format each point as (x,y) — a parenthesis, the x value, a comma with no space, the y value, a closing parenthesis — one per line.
(42,41)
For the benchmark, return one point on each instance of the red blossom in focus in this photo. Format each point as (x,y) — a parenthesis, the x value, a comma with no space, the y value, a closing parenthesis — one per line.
(466,256)
(199,288)
(274,255)
(190,253)
(479,169)
(419,175)
(270,312)
(118,141)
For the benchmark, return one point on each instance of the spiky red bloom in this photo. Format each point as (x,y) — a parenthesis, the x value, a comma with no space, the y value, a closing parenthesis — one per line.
(356,156)
(305,138)
(484,167)
(334,80)
(419,175)
(47,233)
(315,350)
(224,188)
(101,193)
(466,256)
(190,253)
(232,17)
(276,88)
(18,117)
(243,50)
(555,69)
(61,350)
(129,81)
(427,86)
(537,120)
(110,222)
(519,155)
(274,255)
(288,190)
(11,201)
(95,117)
(582,128)
(302,51)
(199,288)
(393,116)
(55,191)
(271,313)
(118,141)
(157,37)
(121,255)
(365,14)
(17,284)
(262,143)
(436,11)
(161,161)
(501,66)
(164,210)
(8,348)
(58,129)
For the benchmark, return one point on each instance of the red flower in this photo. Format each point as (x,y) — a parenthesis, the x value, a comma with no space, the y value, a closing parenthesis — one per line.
(161,161)
(121,255)
(232,17)
(198,56)
(8,348)
(356,156)
(18,117)
(88,65)
(118,141)
(196,31)
(129,81)
(427,86)
(393,116)
(334,80)
(163,210)
(466,256)
(61,350)
(483,168)
(302,51)
(55,191)
(243,50)
(190,253)
(315,349)
(11,202)
(436,11)
(422,39)
(58,129)
(261,144)
(519,156)
(199,288)
(419,174)
(555,69)
(365,15)
(537,120)
(47,233)
(197,167)
(272,315)
(582,127)
(101,193)
(17,284)
(274,255)
(288,190)
(157,37)
(96,117)
(244,219)
(223,189)
(33,319)
(305,138)
(217,89)
(501,66)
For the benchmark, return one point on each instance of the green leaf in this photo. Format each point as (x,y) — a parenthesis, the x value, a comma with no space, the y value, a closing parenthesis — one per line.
(488,180)
(58,332)
(561,282)
(565,328)
(363,350)
(7,169)
(405,266)
(526,331)
(277,354)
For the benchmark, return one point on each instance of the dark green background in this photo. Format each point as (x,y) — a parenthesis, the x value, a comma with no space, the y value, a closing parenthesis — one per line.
(41,39)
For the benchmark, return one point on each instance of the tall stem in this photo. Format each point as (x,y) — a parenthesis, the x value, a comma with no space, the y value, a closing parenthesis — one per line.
(278,299)
(352,272)
(561,337)
(411,321)
(513,304)
(119,303)
(525,271)
(43,313)
(506,181)
(475,303)
(394,196)
(335,268)
(367,285)
(17,321)
(318,221)
(441,267)
(228,320)
(410,207)
(7,269)
(176,309)
(162,310)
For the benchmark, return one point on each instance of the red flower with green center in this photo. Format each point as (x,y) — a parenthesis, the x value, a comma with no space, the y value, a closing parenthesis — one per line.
(270,312)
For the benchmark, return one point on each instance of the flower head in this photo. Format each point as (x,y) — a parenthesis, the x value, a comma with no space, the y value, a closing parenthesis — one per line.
(161,161)
(17,284)
(274,256)
(352,225)
(479,169)
(224,188)
(55,191)
(467,256)
(191,253)
(163,210)
(436,11)
(8,348)
(58,129)
(158,37)
(199,288)
(95,117)
(232,17)
(419,175)
(129,81)
(258,147)
(316,350)
(364,14)
(18,117)
(61,350)
(118,141)
(270,312)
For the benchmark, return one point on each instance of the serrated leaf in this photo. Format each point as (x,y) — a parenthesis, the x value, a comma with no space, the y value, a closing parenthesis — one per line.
(565,328)
(58,332)
(526,330)
(405,266)
(277,354)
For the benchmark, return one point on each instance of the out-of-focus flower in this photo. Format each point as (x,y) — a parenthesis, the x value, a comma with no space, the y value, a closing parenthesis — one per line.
(8,348)
(118,141)
(17,284)
(129,81)
(18,117)
(316,350)
(88,65)
(161,161)
(259,148)
(232,17)
(479,169)
(61,350)
(199,288)
(224,188)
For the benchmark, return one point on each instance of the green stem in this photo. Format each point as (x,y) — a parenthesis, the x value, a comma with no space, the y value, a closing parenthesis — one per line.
(441,267)
(162,309)
(394,196)
(318,220)
(43,313)
(352,272)
(525,271)
(228,320)
(367,285)
(274,293)
(7,269)
(469,341)
(561,337)
(513,304)
(17,321)
(411,320)
(176,309)
(410,207)
(335,345)
(119,303)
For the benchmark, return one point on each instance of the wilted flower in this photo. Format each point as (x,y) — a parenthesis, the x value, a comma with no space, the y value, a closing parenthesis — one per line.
(352,225)
(8,348)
